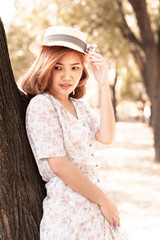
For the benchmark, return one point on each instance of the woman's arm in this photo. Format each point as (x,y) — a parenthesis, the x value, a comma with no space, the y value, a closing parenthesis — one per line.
(77,181)
(106,132)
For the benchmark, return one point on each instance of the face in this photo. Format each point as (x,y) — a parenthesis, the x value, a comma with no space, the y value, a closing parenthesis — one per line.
(66,74)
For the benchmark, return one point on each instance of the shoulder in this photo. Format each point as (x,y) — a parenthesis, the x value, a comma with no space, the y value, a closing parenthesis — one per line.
(40,100)
(40,103)
(40,111)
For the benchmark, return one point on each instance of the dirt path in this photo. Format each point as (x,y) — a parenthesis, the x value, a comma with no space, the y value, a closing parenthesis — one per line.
(132,179)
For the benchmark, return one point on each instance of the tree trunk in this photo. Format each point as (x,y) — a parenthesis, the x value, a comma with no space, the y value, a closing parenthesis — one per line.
(114,100)
(156,129)
(22,189)
(151,68)
(151,78)
(148,62)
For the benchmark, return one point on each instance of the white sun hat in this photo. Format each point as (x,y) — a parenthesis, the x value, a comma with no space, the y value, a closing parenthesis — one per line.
(62,36)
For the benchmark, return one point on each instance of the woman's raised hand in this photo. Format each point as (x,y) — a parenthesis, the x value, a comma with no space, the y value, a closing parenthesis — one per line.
(99,67)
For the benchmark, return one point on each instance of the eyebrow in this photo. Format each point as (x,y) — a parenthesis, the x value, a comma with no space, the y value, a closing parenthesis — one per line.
(70,64)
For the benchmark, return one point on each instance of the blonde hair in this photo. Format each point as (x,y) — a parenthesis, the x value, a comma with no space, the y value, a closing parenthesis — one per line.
(38,79)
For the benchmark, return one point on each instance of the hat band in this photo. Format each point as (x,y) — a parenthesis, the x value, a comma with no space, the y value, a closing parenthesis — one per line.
(66,38)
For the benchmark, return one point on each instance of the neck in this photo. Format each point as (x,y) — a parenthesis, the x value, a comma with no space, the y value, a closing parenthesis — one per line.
(62,98)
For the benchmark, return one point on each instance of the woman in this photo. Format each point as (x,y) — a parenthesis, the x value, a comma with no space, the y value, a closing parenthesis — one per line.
(62,130)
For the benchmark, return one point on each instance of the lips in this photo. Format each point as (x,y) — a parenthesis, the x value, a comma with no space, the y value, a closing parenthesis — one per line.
(65,86)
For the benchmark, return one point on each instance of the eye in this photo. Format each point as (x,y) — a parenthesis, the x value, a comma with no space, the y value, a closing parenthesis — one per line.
(75,68)
(57,68)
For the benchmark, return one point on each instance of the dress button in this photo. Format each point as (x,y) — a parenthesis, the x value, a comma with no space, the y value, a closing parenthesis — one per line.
(90,145)
(92,155)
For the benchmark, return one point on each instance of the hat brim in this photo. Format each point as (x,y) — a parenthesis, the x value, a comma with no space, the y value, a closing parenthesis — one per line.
(36,47)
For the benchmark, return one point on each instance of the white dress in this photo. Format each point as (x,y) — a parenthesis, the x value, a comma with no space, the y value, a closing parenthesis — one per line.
(54,132)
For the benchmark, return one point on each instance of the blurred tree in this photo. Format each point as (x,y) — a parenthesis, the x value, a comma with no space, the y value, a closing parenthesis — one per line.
(22,189)
(145,47)
(102,20)
(132,87)
(28,26)
(99,20)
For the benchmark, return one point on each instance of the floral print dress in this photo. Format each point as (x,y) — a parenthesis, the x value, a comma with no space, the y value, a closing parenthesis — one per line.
(54,132)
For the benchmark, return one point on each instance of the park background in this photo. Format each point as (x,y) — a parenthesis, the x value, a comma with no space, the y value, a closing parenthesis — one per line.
(128,170)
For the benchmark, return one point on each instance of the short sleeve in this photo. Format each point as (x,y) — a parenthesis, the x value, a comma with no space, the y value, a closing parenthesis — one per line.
(43,129)
(92,117)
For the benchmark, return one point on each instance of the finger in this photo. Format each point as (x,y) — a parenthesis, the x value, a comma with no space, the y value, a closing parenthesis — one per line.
(95,54)
(97,64)
(116,223)
(115,218)
(110,221)
(100,64)
(95,60)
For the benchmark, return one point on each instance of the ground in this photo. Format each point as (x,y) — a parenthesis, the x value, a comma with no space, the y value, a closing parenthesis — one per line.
(132,179)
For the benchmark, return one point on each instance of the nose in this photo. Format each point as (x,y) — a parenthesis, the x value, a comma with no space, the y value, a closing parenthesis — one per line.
(67,75)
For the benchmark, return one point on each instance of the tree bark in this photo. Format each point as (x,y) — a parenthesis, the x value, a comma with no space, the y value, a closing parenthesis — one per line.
(22,189)
(114,100)
(146,53)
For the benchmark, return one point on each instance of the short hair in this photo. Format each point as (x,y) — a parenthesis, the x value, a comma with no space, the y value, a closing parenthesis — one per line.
(38,79)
